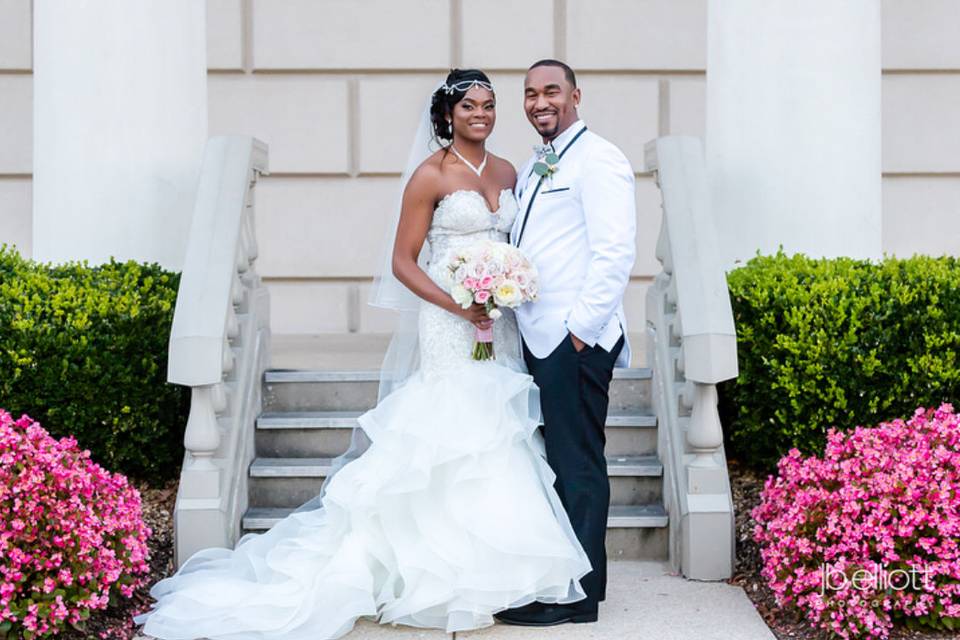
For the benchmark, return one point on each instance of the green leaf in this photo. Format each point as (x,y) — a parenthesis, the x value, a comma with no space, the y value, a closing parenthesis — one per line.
(541,169)
(81,343)
(836,342)
(551,158)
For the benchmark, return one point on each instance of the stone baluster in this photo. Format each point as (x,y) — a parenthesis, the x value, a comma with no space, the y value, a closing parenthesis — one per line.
(201,440)
(705,434)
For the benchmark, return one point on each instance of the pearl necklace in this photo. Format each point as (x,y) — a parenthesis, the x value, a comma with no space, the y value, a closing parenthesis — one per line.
(476,170)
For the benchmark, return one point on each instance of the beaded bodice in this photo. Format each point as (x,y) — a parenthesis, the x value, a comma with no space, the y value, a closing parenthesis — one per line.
(462,219)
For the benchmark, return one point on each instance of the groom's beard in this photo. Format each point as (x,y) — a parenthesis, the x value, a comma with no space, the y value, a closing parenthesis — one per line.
(549,134)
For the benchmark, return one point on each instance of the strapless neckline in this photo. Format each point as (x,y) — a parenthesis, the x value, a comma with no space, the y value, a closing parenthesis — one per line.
(481,196)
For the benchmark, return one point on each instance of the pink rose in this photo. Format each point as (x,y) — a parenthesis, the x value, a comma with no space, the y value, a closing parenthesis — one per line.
(482,296)
(470,283)
(486,281)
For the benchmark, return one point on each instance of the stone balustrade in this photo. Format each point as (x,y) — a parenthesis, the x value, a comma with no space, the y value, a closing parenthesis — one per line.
(692,345)
(220,345)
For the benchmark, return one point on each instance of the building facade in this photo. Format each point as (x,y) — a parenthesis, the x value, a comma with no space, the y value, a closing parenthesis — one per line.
(334,88)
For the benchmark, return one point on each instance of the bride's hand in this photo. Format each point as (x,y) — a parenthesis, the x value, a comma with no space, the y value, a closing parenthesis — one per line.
(476,314)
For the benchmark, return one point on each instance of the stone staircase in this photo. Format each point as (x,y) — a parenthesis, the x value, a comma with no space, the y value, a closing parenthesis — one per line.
(259,441)
(308,414)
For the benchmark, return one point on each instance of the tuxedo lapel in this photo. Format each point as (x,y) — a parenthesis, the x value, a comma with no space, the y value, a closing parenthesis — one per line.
(522,191)
(533,187)
(523,179)
(528,188)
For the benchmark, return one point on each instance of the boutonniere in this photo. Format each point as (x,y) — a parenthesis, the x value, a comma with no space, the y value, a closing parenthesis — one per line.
(547,167)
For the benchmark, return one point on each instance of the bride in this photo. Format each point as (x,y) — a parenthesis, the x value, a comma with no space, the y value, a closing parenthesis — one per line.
(448,514)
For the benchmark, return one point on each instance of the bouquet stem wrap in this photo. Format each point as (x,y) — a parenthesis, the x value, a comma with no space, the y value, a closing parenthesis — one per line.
(483,347)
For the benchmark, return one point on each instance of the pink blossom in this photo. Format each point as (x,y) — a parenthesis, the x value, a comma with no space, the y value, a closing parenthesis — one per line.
(484,267)
(881,499)
(57,507)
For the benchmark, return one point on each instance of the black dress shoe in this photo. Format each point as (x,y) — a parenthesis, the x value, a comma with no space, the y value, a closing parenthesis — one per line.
(547,615)
(525,610)
(533,608)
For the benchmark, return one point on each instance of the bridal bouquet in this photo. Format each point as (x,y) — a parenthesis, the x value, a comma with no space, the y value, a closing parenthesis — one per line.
(494,274)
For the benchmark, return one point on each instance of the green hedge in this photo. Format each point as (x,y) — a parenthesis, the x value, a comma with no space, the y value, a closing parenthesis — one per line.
(83,350)
(837,342)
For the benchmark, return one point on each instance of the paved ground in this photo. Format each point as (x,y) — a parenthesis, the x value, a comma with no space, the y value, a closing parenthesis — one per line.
(643,601)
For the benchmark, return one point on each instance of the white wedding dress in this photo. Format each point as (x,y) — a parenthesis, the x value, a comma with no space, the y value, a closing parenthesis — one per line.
(447,518)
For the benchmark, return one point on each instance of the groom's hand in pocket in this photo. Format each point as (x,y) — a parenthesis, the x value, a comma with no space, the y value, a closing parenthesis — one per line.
(578,344)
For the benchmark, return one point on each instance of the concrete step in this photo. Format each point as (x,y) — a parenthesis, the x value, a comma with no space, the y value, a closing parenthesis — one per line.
(289,482)
(324,434)
(635,517)
(366,350)
(288,390)
(633,532)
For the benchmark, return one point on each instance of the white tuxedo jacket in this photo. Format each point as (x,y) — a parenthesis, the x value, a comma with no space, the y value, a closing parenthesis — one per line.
(579,229)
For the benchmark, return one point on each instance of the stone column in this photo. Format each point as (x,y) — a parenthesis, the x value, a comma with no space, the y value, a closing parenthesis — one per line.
(120,120)
(793,126)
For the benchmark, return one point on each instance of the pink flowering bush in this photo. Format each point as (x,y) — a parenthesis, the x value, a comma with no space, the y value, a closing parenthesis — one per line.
(869,534)
(71,533)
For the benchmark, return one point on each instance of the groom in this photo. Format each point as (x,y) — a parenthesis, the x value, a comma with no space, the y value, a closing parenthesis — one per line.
(577,223)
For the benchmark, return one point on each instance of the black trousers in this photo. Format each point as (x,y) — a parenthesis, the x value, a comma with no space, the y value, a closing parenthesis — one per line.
(574,397)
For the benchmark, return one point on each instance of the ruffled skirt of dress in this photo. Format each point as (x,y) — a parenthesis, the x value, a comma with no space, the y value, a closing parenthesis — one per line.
(448,517)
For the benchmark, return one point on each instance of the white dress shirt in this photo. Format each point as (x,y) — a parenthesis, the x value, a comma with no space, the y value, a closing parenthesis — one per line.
(578,227)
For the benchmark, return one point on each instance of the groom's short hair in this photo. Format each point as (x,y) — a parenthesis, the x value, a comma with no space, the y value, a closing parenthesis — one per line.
(567,71)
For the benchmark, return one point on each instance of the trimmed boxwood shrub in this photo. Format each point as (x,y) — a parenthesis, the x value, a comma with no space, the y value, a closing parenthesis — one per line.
(83,350)
(837,342)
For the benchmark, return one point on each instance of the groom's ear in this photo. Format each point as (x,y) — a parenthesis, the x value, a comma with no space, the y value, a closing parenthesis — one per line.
(576,97)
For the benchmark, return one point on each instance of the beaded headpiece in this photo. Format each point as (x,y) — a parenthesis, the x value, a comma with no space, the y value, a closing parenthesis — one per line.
(466,85)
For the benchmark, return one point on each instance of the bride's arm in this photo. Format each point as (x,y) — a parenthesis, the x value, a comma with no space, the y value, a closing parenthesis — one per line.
(416,213)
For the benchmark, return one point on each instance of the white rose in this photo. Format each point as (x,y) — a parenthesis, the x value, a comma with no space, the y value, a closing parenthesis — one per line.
(495,314)
(461,295)
(508,294)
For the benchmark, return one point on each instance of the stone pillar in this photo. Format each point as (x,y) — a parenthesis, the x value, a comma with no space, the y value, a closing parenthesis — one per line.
(120,121)
(793,126)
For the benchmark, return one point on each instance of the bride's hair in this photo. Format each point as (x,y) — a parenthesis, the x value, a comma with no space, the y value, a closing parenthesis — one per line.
(441,105)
